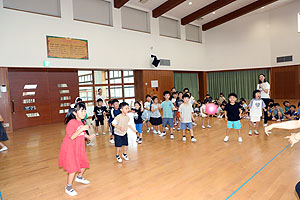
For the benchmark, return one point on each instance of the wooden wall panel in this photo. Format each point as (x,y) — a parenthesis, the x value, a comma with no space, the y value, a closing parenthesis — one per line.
(285,82)
(165,82)
(139,85)
(5,108)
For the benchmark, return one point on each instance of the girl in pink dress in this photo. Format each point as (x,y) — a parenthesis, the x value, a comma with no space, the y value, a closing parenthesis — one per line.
(72,155)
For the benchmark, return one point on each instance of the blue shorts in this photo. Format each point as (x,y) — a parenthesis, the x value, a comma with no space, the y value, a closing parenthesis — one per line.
(139,127)
(174,113)
(183,126)
(168,121)
(234,124)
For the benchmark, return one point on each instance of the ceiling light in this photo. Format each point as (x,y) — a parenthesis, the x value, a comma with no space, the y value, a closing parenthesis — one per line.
(262,7)
(190,3)
(213,12)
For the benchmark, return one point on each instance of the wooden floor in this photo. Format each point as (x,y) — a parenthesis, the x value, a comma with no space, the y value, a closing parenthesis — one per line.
(158,169)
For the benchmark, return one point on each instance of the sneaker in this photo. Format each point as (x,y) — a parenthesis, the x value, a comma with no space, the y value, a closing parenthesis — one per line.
(163,134)
(125,157)
(172,136)
(278,120)
(250,133)
(203,126)
(193,140)
(89,144)
(158,132)
(256,133)
(226,138)
(148,130)
(240,139)
(4,149)
(140,141)
(97,134)
(184,139)
(82,180)
(173,128)
(194,124)
(119,159)
(265,125)
(71,192)
(154,131)
(103,133)
(178,129)
(151,128)
(137,139)
(208,126)
(111,140)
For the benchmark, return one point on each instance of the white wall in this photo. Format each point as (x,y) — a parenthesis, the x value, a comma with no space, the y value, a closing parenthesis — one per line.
(23,42)
(255,40)
(251,41)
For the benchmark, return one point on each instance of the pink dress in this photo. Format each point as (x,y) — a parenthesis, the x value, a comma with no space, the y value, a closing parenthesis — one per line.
(72,155)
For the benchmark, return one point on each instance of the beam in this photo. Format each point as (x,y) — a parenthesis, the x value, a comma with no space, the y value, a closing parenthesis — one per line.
(119,3)
(237,13)
(165,7)
(205,10)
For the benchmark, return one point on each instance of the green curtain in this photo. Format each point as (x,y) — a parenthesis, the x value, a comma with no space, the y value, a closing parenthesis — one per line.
(187,80)
(243,83)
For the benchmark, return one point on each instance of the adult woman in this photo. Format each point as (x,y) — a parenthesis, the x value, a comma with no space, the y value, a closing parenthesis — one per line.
(264,87)
(100,95)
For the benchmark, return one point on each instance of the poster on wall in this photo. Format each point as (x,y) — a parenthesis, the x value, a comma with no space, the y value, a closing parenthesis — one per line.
(154,83)
(62,47)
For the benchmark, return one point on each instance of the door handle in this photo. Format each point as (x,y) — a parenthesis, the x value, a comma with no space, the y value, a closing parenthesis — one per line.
(13,106)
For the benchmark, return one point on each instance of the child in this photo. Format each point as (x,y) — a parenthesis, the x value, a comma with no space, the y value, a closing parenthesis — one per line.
(204,115)
(174,98)
(186,116)
(220,112)
(72,155)
(138,111)
(197,108)
(270,111)
(286,105)
(168,108)
(179,101)
(233,113)
(121,125)
(221,99)
(99,112)
(291,114)
(244,108)
(115,111)
(3,135)
(298,111)
(108,114)
(256,106)
(148,112)
(155,117)
(277,112)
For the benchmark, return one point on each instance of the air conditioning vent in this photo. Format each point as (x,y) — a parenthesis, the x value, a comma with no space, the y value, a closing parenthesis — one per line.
(284,59)
(164,62)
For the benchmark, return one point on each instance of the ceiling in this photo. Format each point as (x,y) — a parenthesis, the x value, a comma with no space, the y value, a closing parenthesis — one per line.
(185,9)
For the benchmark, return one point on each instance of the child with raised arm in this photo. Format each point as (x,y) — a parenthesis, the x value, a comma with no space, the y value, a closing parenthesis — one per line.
(72,155)
(186,116)
(121,124)
(233,114)
(256,106)
(3,136)
(138,112)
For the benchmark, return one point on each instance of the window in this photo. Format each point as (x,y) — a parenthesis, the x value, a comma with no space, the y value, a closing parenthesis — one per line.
(169,27)
(46,7)
(95,11)
(129,91)
(298,22)
(128,77)
(116,91)
(115,77)
(85,77)
(105,91)
(134,19)
(193,33)
(101,77)
(86,93)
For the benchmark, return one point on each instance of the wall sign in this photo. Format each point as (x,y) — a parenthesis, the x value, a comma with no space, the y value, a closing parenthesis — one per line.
(61,47)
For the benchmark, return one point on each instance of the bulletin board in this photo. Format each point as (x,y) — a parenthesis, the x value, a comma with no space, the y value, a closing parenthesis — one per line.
(62,47)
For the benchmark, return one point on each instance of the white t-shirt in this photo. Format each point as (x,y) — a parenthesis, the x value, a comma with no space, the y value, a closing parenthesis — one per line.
(266,86)
(256,106)
(186,111)
(203,110)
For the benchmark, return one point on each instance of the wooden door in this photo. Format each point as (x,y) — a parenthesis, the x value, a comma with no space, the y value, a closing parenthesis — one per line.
(41,96)
(30,98)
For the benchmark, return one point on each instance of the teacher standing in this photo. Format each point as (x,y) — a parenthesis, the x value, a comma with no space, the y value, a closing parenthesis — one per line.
(100,95)
(264,88)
